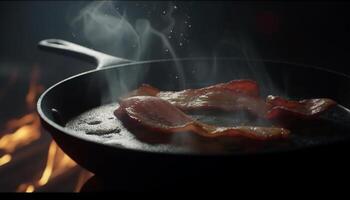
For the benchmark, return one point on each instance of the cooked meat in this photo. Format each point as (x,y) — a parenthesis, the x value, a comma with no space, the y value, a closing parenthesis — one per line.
(239,95)
(279,107)
(232,96)
(158,115)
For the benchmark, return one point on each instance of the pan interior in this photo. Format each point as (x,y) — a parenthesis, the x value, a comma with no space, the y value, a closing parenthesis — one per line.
(100,124)
(89,110)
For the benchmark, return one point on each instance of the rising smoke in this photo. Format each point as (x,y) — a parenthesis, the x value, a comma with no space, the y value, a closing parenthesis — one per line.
(109,28)
(106,27)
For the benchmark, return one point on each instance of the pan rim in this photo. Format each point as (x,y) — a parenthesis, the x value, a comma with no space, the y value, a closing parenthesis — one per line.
(71,133)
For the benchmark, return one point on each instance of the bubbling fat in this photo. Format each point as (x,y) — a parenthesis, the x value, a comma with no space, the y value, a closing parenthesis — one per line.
(110,130)
(100,125)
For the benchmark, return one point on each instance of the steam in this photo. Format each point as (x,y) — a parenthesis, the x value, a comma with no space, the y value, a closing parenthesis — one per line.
(251,55)
(242,48)
(102,26)
(132,35)
(106,28)
(169,19)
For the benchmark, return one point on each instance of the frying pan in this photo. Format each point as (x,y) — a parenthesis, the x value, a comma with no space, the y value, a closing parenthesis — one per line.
(87,101)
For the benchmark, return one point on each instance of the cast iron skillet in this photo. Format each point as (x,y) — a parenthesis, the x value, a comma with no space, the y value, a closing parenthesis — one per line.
(69,99)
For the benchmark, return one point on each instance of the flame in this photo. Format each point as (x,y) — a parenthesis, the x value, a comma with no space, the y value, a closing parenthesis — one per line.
(25,130)
(5,159)
(25,188)
(57,163)
(49,165)
(28,130)
(30,188)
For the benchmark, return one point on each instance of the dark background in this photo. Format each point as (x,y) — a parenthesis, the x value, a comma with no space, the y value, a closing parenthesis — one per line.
(314,33)
(306,32)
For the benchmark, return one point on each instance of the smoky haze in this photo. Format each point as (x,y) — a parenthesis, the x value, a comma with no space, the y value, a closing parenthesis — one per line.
(107,26)
(154,30)
(157,30)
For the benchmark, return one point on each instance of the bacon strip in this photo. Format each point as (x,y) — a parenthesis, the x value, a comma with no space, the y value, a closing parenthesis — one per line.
(159,115)
(280,108)
(243,87)
(239,95)
(232,96)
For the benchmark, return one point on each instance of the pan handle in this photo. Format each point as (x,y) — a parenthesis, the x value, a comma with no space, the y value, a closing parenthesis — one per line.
(65,47)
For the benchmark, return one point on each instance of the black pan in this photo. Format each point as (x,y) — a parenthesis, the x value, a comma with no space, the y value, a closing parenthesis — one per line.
(85,103)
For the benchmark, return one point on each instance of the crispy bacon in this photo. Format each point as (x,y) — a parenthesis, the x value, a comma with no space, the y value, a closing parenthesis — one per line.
(243,87)
(159,115)
(232,96)
(279,108)
(239,95)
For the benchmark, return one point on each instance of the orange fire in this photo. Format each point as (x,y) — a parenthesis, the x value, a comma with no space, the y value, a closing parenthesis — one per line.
(27,128)
(27,131)
(57,164)
(24,131)
(56,160)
